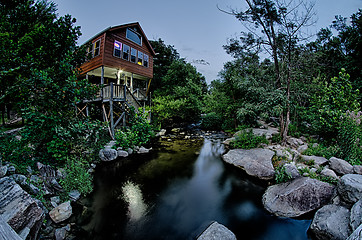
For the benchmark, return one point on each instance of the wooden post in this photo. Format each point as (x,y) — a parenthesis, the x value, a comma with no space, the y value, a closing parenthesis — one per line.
(148,87)
(111,110)
(102,80)
(131,82)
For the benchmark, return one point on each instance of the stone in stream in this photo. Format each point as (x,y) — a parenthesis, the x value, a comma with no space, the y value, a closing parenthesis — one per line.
(340,166)
(61,212)
(350,187)
(356,215)
(108,154)
(295,198)
(19,210)
(331,222)
(217,231)
(256,162)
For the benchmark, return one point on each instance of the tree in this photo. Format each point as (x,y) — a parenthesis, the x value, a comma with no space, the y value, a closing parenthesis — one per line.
(38,70)
(274,27)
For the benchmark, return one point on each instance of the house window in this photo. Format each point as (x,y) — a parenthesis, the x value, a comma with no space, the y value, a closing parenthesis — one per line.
(117,49)
(145,60)
(97,46)
(140,58)
(126,50)
(133,36)
(133,55)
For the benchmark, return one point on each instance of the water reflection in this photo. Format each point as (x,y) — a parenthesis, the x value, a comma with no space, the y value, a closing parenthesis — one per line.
(132,195)
(175,192)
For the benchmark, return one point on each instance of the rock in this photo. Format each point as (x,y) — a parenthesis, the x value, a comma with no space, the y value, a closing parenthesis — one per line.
(110,145)
(331,222)
(19,179)
(161,133)
(46,171)
(217,231)
(267,132)
(340,166)
(61,212)
(54,201)
(320,161)
(256,162)
(295,198)
(6,232)
(60,233)
(3,171)
(176,130)
(302,148)
(356,235)
(295,142)
(19,209)
(350,187)
(357,169)
(329,173)
(291,170)
(74,195)
(315,145)
(356,215)
(143,150)
(11,169)
(129,151)
(284,153)
(228,141)
(55,185)
(108,154)
(122,153)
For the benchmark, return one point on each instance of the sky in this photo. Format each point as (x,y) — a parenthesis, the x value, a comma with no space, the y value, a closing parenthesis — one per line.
(196,28)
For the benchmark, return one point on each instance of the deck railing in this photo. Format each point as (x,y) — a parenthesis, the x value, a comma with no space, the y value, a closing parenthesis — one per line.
(120,92)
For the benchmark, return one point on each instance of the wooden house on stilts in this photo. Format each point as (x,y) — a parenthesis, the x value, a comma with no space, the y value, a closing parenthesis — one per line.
(122,62)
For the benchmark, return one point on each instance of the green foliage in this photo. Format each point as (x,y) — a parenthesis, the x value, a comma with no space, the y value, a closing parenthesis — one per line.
(211,121)
(139,133)
(281,175)
(350,137)
(77,176)
(323,151)
(245,139)
(331,102)
(317,176)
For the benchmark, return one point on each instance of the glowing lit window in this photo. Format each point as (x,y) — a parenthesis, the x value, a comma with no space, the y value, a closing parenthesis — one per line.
(145,60)
(133,55)
(117,49)
(97,46)
(140,58)
(126,50)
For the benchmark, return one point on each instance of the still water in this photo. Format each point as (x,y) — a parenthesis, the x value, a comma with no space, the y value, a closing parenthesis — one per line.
(174,193)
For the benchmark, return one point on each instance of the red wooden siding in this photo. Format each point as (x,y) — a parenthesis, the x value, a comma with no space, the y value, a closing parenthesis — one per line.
(107,58)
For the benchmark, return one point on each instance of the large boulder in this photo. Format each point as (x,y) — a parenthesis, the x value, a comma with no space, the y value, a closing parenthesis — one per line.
(217,231)
(356,235)
(331,222)
(295,198)
(61,212)
(19,210)
(356,215)
(256,162)
(350,187)
(340,166)
(267,132)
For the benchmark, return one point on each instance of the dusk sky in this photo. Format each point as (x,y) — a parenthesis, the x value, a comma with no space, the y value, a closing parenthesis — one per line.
(196,28)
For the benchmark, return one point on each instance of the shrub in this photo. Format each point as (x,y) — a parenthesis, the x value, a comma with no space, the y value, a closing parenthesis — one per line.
(246,139)
(138,133)
(281,175)
(323,151)
(350,137)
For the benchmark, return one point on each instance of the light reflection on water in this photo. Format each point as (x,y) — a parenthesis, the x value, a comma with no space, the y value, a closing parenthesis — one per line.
(176,193)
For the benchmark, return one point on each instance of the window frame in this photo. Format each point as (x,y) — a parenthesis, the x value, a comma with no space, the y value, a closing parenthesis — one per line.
(128,52)
(140,58)
(129,30)
(98,49)
(135,56)
(120,49)
(145,56)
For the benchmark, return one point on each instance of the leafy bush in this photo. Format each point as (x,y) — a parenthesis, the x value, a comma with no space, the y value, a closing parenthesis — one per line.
(323,151)
(77,176)
(138,133)
(281,175)
(350,137)
(245,139)
(211,121)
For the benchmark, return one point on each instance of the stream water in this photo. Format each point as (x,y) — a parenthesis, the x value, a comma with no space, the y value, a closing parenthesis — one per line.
(174,193)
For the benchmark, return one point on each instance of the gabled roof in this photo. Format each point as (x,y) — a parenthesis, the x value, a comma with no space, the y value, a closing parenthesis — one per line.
(135,24)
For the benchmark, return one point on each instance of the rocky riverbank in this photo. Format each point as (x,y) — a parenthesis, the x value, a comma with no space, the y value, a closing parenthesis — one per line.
(335,201)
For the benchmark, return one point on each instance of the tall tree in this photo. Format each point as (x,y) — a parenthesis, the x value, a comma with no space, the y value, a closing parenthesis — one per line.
(274,27)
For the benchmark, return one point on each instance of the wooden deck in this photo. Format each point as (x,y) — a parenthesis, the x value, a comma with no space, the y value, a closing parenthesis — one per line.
(116,100)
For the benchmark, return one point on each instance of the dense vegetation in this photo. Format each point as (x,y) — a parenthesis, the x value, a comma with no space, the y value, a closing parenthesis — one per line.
(39,58)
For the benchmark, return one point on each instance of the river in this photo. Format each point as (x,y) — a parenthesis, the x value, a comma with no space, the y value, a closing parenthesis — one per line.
(174,193)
